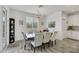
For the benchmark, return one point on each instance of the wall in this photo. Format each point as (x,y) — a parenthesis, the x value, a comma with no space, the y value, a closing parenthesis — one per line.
(74,19)
(57,17)
(42,23)
(17,15)
(64,24)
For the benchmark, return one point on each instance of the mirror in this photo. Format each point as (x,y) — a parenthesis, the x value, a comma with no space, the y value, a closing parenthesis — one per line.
(51,24)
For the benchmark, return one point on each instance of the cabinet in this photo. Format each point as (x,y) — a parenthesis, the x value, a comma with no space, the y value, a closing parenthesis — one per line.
(73,20)
(69,34)
(11,30)
(73,35)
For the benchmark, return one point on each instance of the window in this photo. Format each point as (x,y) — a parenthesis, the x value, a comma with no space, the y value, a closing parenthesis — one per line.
(35,23)
(31,22)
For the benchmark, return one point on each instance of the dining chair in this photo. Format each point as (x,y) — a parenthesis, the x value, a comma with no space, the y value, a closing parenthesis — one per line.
(46,38)
(53,38)
(37,41)
(25,39)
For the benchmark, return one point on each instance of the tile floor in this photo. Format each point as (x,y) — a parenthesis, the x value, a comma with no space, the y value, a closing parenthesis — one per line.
(62,46)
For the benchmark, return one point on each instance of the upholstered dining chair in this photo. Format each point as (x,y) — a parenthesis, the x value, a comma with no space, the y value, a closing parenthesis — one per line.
(53,38)
(46,38)
(37,41)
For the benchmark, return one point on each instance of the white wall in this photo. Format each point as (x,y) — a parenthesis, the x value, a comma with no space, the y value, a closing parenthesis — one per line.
(64,24)
(17,15)
(57,17)
(74,20)
(42,23)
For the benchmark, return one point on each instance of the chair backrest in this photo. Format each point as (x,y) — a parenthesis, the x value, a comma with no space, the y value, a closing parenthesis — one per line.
(38,39)
(47,36)
(53,36)
(24,36)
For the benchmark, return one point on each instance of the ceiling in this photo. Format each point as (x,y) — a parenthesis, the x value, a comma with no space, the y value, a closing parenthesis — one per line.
(45,9)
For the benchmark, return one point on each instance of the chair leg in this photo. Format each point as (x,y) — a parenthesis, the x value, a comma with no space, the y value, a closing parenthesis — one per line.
(34,49)
(31,47)
(24,47)
(49,44)
(38,47)
(41,48)
(52,43)
(43,45)
(55,42)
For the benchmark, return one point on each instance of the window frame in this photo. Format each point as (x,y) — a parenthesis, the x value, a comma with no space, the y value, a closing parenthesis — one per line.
(32,22)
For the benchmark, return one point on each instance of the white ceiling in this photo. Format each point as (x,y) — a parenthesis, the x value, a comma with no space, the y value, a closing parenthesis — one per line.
(46,9)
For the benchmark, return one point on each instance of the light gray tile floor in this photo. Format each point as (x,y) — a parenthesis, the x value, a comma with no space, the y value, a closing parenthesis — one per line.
(62,46)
